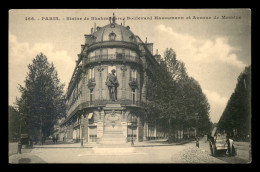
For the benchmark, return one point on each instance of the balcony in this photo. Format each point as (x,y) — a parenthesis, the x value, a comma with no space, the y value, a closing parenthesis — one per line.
(133,83)
(120,57)
(91,83)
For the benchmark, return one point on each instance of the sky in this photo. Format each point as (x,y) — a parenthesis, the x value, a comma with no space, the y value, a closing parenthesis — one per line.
(215,50)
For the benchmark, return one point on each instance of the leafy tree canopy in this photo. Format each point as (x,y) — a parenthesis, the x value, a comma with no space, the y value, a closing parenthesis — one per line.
(174,96)
(42,100)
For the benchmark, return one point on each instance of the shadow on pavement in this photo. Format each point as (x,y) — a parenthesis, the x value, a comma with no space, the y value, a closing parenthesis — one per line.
(25,159)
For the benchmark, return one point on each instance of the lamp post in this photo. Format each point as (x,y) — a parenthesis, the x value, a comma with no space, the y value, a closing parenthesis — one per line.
(132,138)
(41,137)
(20,130)
(82,132)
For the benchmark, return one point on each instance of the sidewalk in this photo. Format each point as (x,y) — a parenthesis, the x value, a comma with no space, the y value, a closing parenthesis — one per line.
(66,145)
(150,143)
(160,142)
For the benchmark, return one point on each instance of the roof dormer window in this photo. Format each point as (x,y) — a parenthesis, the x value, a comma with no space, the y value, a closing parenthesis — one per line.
(112,36)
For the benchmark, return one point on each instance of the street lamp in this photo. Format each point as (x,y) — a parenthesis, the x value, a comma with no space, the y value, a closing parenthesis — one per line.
(132,124)
(20,130)
(41,137)
(82,132)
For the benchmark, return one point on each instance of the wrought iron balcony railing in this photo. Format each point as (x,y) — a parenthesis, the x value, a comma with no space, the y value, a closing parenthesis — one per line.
(114,57)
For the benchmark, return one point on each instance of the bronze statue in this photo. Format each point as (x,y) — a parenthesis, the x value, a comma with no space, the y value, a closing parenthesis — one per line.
(112,84)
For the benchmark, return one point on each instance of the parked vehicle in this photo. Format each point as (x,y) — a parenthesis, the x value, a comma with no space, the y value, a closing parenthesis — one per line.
(220,143)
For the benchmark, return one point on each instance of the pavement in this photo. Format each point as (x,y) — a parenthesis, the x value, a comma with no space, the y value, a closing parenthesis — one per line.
(157,151)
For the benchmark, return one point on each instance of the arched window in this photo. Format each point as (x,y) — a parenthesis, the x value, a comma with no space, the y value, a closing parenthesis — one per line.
(133,74)
(91,74)
(133,95)
(91,93)
(91,55)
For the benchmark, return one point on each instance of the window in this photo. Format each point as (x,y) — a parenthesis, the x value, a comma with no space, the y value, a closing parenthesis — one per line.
(92,138)
(133,75)
(111,53)
(127,53)
(91,96)
(92,133)
(132,53)
(112,36)
(98,53)
(92,55)
(104,53)
(119,53)
(91,74)
(133,96)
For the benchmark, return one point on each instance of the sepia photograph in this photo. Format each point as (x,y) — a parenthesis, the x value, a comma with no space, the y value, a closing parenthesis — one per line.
(129,86)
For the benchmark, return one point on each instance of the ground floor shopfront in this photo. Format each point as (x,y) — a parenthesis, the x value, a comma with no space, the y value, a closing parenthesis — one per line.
(108,124)
(113,124)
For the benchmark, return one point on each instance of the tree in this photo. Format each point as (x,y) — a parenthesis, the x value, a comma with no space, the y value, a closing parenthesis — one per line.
(42,101)
(236,118)
(175,98)
(13,123)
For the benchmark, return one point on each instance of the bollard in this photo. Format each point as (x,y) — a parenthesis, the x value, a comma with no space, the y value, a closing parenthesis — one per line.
(19,147)
(132,141)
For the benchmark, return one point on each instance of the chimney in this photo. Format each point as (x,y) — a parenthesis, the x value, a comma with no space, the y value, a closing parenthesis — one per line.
(94,30)
(91,30)
(146,40)
(124,22)
(82,47)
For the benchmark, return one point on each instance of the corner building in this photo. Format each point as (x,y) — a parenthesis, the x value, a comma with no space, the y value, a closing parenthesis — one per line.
(91,113)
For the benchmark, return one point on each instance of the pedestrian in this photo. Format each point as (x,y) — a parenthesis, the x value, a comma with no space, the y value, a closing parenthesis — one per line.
(197,142)
(42,140)
(53,139)
(19,147)
(228,143)
(56,138)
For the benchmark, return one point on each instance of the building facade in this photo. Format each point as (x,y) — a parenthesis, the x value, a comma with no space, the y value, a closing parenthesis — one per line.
(107,92)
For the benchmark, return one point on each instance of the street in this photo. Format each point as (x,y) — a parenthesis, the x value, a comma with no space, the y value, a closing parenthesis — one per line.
(145,152)
(242,149)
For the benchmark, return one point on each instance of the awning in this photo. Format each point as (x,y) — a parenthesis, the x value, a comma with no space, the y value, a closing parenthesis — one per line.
(90,115)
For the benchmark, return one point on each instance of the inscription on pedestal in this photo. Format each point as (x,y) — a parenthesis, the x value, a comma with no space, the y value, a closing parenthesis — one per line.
(99,129)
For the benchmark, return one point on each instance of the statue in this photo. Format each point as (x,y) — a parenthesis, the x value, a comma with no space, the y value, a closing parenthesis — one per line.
(112,84)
